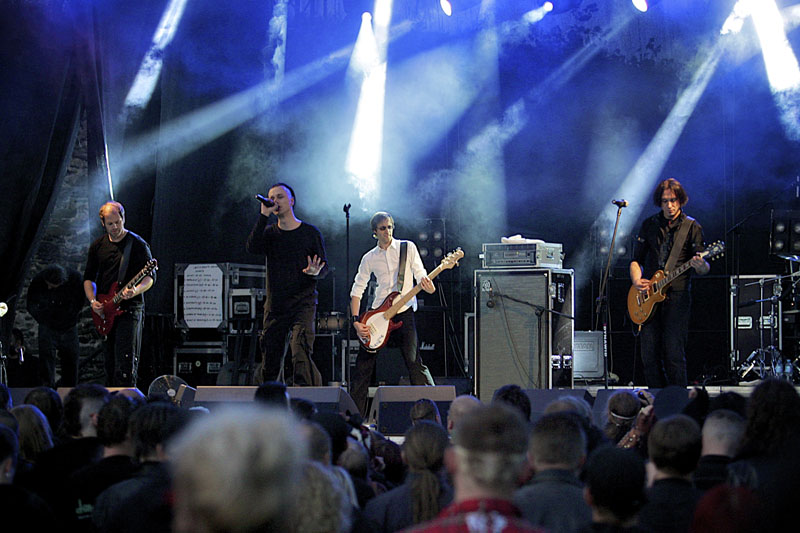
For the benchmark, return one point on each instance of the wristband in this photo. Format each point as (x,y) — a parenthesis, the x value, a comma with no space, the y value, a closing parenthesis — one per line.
(354,318)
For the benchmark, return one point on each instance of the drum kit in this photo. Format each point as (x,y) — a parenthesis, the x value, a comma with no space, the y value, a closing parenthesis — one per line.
(779,297)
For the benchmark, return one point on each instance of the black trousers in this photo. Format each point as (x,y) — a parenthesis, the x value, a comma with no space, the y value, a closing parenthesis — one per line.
(404,337)
(122,347)
(66,345)
(664,339)
(300,321)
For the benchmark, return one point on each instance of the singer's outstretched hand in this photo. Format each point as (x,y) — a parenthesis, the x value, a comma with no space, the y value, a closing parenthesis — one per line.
(314,266)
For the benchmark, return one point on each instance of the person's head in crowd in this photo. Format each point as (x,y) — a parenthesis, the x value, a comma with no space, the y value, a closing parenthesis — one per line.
(729,509)
(8,420)
(614,485)
(514,396)
(9,451)
(302,408)
(621,411)
(49,403)
(557,442)
(732,401)
(423,451)
(236,470)
(488,453)
(338,430)
(113,424)
(322,504)
(272,393)
(355,459)
(723,431)
(133,393)
(34,432)
(81,407)
(425,409)
(6,401)
(459,407)
(152,426)
(570,404)
(317,440)
(773,417)
(388,461)
(674,446)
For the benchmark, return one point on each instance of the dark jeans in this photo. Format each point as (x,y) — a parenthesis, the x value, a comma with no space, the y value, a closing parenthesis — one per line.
(664,339)
(122,347)
(300,322)
(66,344)
(404,337)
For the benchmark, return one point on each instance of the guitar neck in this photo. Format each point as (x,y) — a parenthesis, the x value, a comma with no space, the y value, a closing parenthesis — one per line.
(404,299)
(661,285)
(131,284)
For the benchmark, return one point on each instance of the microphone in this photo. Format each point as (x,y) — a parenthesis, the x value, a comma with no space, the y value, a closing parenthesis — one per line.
(266,201)
(620,203)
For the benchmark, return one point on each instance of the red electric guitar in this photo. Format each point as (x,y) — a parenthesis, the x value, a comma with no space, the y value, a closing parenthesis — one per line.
(379,320)
(111,301)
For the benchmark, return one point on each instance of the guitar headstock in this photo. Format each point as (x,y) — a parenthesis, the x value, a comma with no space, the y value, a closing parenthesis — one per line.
(451,259)
(717,249)
(150,267)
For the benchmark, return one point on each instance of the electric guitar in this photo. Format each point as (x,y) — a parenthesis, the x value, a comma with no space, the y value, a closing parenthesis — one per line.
(111,301)
(642,303)
(380,321)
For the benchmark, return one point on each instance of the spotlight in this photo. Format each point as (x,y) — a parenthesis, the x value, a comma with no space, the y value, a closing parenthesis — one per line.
(784,238)
(644,5)
(446,7)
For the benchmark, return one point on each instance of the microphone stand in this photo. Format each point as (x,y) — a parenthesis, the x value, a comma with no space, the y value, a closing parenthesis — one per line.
(349,314)
(602,297)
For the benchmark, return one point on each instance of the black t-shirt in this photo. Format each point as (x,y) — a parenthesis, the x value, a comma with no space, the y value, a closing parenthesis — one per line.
(654,244)
(287,255)
(102,266)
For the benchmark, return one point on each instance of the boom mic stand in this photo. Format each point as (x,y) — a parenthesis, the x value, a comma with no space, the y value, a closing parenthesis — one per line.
(349,314)
(602,296)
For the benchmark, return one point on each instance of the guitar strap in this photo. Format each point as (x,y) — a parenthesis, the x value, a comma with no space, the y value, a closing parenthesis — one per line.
(677,244)
(401,274)
(126,258)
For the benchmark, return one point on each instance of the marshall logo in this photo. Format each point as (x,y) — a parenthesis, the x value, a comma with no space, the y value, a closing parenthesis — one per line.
(429,346)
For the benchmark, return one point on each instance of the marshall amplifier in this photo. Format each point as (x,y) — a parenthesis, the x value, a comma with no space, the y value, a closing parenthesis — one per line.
(523,255)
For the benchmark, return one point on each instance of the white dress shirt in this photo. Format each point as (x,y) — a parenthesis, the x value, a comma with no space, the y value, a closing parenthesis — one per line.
(385,264)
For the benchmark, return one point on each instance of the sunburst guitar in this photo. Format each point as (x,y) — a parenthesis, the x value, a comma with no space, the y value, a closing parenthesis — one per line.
(379,320)
(641,304)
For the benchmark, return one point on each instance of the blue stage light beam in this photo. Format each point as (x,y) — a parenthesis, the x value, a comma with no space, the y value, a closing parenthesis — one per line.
(150,69)
(781,64)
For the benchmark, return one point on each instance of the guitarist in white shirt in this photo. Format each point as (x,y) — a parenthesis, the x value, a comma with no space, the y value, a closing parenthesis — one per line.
(384,262)
(664,335)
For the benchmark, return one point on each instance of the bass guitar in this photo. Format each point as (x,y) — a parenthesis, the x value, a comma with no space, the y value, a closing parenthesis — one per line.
(642,303)
(111,301)
(379,321)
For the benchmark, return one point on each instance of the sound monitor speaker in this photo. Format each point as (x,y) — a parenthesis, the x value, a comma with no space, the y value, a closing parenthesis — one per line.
(63,391)
(541,398)
(327,399)
(215,396)
(391,406)
(520,338)
(18,395)
(587,360)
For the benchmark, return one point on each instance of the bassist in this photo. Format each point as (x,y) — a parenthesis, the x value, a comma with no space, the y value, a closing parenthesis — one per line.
(384,261)
(664,335)
(116,257)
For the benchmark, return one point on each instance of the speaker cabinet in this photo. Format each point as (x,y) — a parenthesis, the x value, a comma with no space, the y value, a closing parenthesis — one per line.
(524,329)
(391,407)
(541,398)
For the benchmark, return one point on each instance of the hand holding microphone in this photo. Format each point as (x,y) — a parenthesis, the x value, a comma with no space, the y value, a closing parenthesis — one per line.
(266,205)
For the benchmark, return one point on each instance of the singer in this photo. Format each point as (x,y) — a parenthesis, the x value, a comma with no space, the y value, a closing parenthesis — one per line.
(664,336)
(295,255)
(395,264)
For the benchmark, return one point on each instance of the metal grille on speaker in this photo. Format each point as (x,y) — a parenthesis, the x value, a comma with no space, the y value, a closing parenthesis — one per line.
(517,339)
